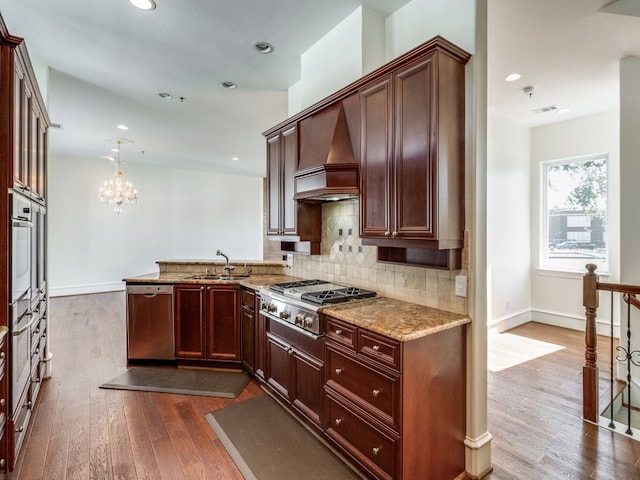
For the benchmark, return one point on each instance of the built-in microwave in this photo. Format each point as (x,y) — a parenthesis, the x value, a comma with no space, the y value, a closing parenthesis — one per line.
(20,223)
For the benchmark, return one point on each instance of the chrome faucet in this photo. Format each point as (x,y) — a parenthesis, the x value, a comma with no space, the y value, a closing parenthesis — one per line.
(227,267)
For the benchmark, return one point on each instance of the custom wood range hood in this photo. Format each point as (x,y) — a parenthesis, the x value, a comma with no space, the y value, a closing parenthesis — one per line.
(327,166)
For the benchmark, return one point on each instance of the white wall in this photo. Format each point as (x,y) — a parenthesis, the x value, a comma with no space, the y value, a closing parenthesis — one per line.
(557,297)
(508,222)
(352,48)
(181,214)
(420,20)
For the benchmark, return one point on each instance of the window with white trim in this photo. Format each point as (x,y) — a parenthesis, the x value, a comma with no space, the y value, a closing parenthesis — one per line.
(574,211)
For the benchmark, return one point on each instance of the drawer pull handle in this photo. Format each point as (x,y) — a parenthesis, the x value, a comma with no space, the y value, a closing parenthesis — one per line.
(338,371)
(376,348)
(338,421)
(376,393)
(18,430)
(338,332)
(375,450)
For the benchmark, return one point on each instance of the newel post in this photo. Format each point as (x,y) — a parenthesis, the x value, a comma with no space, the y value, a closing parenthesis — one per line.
(590,409)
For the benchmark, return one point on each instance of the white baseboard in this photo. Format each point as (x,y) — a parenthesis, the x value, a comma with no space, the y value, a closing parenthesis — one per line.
(573,322)
(512,320)
(85,289)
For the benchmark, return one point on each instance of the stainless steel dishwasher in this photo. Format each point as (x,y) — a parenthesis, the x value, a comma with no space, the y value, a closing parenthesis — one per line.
(150,333)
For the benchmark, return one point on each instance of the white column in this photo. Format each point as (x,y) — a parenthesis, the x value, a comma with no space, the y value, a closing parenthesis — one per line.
(629,201)
(478,439)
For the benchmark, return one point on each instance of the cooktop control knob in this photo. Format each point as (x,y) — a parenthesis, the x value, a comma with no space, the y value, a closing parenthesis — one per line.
(284,314)
(271,308)
(299,320)
(308,322)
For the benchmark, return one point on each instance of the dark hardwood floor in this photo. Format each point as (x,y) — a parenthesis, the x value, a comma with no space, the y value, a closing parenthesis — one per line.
(79,431)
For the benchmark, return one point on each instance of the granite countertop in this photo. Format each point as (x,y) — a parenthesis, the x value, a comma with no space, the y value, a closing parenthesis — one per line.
(254,281)
(402,321)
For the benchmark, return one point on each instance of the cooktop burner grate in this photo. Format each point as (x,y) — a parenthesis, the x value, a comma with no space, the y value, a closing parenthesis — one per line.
(337,296)
(281,287)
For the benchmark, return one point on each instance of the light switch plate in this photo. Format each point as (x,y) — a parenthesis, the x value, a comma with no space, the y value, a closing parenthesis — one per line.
(461,286)
(290,260)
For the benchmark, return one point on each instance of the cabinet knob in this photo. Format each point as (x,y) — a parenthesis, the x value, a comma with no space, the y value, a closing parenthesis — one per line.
(338,421)
(18,430)
(1,354)
(387,233)
(290,351)
(338,332)
(338,371)
(376,348)
(2,402)
(375,450)
(394,234)
(375,393)
(3,462)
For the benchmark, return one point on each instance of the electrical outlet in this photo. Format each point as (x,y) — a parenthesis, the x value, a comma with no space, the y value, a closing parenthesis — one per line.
(290,260)
(461,286)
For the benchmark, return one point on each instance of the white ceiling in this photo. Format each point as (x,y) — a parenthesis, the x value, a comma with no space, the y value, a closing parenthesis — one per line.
(109,61)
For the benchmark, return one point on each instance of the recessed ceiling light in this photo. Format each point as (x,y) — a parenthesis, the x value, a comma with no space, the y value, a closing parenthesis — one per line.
(513,77)
(563,110)
(229,84)
(123,127)
(235,159)
(143,4)
(263,47)
(165,95)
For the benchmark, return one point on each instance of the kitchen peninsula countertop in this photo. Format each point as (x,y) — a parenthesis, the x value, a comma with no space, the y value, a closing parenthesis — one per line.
(254,281)
(402,321)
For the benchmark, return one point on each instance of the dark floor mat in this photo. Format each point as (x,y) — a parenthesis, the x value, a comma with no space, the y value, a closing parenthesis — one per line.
(267,443)
(186,381)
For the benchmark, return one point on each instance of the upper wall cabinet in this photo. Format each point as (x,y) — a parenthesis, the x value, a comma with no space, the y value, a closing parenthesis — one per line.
(28,123)
(409,148)
(289,221)
(412,161)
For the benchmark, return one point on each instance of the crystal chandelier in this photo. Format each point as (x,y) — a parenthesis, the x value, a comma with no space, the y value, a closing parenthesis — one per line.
(117,191)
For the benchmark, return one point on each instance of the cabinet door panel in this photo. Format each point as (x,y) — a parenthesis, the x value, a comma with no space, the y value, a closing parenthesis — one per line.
(289,159)
(18,128)
(278,361)
(223,326)
(190,327)
(307,386)
(375,188)
(273,184)
(248,336)
(415,173)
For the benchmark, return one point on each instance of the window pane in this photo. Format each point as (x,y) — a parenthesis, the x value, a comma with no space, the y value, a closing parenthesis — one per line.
(576,208)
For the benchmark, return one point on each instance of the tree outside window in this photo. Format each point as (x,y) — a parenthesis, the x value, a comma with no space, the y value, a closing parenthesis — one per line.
(575,213)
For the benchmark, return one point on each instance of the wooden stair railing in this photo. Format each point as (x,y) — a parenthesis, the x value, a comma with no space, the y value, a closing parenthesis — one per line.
(590,287)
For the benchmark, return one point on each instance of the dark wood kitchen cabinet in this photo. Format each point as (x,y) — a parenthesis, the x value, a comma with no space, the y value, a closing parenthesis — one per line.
(412,158)
(207,323)
(287,219)
(294,370)
(248,309)
(396,409)
(23,159)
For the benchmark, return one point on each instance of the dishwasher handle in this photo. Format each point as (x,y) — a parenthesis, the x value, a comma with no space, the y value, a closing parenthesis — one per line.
(150,290)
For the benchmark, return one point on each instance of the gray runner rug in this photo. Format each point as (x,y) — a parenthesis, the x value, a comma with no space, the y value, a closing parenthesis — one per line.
(267,443)
(185,381)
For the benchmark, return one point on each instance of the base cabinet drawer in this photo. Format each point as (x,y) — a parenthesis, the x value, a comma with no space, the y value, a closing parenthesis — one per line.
(372,390)
(368,445)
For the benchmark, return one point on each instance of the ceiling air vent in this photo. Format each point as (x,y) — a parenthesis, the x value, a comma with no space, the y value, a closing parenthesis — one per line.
(56,125)
(550,108)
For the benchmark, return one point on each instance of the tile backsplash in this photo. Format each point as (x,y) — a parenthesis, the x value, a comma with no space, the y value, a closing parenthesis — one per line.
(345,260)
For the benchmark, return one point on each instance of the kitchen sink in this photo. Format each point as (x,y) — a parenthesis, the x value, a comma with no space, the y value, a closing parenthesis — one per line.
(219,276)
